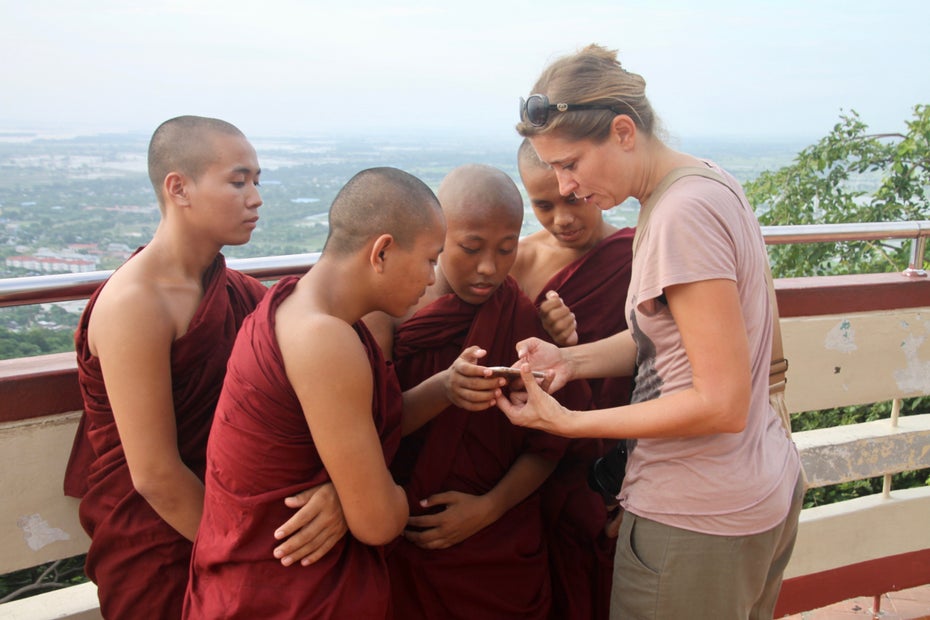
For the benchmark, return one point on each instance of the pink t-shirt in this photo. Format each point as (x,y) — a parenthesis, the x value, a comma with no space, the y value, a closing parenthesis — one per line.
(728,483)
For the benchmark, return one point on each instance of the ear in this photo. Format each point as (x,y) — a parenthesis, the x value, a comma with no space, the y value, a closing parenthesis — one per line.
(624,130)
(175,189)
(379,251)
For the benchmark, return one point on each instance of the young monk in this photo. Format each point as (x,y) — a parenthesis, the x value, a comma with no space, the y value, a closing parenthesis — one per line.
(577,269)
(309,398)
(473,547)
(152,346)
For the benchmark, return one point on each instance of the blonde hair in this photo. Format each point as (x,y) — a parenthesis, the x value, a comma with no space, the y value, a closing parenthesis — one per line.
(593,76)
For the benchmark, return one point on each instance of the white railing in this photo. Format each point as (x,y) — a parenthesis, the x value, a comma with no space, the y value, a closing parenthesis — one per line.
(69,286)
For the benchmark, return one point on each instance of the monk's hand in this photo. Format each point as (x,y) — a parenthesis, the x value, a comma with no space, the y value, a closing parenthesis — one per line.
(314,529)
(547,357)
(462,516)
(614,521)
(558,320)
(535,408)
(467,385)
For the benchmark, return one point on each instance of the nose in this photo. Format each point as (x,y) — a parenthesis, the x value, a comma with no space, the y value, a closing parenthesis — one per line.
(255,198)
(567,184)
(563,217)
(487,266)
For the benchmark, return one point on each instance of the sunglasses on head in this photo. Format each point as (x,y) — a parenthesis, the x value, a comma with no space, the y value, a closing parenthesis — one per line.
(536,108)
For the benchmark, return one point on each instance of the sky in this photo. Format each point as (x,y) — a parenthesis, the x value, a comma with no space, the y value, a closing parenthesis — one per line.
(745,69)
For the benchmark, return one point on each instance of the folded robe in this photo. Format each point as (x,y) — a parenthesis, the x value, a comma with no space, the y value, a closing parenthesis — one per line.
(500,571)
(581,557)
(260,452)
(139,562)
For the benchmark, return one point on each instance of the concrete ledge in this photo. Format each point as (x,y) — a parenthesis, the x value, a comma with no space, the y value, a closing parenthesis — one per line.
(861,530)
(72,603)
(38,523)
(860,451)
(38,386)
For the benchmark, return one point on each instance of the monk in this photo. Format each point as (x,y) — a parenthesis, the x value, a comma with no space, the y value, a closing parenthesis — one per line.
(309,398)
(152,345)
(577,269)
(473,547)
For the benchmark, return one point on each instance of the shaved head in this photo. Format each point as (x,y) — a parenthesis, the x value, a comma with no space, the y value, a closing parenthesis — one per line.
(185,144)
(380,201)
(477,191)
(527,158)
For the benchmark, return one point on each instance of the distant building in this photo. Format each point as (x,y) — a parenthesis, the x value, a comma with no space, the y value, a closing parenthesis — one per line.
(50,264)
(83,247)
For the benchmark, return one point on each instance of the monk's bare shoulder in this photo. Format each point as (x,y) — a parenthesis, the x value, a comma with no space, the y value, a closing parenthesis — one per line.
(530,253)
(320,350)
(132,298)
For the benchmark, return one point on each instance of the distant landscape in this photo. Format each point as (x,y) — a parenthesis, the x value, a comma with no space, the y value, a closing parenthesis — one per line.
(85,202)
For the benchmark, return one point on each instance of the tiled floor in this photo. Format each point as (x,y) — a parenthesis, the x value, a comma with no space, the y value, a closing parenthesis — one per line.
(913,604)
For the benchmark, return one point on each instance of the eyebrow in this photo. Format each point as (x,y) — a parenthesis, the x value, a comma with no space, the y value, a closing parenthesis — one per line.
(246,170)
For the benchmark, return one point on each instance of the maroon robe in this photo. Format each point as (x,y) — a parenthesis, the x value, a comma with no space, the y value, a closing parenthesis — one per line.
(500,571)
(139,562)
(260,452)
(581,557)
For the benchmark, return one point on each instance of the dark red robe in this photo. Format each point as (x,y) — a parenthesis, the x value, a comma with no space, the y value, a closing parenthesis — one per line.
(260,452)
(501,571)
(139,562)
(581,557)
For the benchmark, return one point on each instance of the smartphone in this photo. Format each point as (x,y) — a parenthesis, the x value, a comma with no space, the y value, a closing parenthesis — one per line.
(512,373)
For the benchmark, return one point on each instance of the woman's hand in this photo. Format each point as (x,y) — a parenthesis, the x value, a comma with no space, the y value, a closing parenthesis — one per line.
(535,408)
(547,357)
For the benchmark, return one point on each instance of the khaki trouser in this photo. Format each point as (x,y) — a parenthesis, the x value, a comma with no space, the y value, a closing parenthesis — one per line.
(667,573)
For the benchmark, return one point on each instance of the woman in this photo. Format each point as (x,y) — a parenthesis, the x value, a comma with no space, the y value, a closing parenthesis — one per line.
(712,489)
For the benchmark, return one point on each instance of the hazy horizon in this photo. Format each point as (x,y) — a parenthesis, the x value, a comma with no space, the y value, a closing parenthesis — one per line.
(727,69)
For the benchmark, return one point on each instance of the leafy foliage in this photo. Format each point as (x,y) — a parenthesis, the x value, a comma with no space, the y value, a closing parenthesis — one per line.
(38,579)
(848,176)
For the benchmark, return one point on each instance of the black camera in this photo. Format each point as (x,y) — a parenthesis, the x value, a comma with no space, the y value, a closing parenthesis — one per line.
(606,473)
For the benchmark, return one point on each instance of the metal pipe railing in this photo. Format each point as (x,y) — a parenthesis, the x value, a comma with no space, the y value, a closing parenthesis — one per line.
(865,231)
(70,286)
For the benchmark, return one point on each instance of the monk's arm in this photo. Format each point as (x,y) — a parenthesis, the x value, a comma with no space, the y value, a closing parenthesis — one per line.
(381,325)
(314,529)
(526,475)
(329,370)
(463,384)
(136,365)
(463,515)
(558,320)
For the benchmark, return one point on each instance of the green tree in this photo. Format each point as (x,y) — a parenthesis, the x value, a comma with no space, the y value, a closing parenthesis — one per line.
(848,176)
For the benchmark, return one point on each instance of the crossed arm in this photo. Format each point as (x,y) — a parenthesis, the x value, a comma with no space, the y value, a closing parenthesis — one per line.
(137,371)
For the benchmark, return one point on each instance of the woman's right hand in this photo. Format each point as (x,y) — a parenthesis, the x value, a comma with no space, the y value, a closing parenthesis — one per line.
(547,357)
